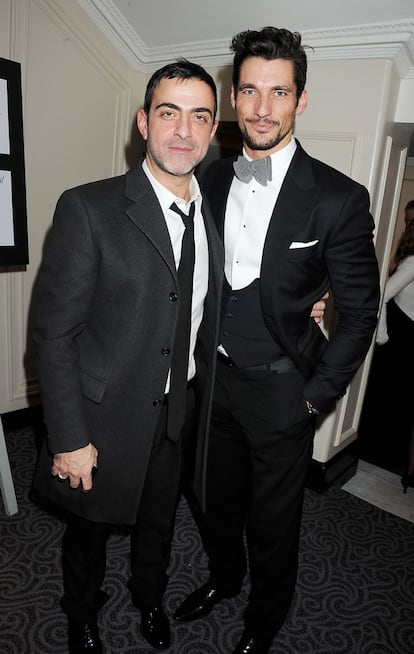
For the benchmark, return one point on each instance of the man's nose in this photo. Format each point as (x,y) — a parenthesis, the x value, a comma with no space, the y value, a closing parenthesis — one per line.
(183,126)
(263,106)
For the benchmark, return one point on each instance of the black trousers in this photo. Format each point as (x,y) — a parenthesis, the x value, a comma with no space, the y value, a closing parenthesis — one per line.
(260,450)
(387,418)
(84,541)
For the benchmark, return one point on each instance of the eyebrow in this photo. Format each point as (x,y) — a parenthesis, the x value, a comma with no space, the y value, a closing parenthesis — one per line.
(195,110)
(277,87)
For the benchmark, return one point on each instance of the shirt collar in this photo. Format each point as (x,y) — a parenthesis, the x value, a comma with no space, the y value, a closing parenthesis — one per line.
(282,157)
(166,198)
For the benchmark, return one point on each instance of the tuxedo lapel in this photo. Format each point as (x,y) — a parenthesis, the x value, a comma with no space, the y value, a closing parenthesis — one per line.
(215,246)
(288,217)
(217,195)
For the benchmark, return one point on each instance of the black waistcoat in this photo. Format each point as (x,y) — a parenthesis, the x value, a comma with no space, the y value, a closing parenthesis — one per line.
(244,334)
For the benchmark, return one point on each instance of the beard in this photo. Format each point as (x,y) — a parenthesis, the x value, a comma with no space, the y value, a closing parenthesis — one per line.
(253,144)
(179,167)
(176,171)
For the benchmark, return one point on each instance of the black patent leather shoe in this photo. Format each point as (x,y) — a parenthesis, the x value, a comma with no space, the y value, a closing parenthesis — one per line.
(248,644)
(155,627)
(83,637)
(199,603)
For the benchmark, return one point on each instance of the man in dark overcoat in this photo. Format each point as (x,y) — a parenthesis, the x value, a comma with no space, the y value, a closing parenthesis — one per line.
(107,307)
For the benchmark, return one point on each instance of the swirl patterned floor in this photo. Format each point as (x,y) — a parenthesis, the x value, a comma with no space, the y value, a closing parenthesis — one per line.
(355,591)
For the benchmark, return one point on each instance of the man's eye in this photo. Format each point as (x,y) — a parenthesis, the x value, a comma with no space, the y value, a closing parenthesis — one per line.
(280,94)
(248,91)
(201,118)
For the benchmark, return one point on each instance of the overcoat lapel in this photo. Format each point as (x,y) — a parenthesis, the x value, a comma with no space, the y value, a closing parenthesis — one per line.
(146,213)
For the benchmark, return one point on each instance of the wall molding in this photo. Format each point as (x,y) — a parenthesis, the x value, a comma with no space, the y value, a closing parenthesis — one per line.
(335,148)
(18,385)
(392,40)
(99,59)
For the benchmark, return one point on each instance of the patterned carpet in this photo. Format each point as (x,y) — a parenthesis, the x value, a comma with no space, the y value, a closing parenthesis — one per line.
(355,592)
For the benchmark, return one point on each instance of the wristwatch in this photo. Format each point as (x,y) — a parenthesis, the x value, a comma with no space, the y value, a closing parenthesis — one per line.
(311,409)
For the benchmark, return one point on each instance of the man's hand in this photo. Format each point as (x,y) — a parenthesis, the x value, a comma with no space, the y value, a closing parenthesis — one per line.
(76,466)
(318,308)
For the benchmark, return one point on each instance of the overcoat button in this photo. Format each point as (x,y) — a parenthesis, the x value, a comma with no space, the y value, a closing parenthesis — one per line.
(173,296)
(165,351)
(157,402)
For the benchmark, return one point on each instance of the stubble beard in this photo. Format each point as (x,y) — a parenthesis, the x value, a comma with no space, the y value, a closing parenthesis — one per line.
(166,167)
(253,144)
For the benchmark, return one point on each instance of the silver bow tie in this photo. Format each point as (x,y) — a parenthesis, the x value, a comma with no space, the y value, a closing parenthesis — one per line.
(260,169)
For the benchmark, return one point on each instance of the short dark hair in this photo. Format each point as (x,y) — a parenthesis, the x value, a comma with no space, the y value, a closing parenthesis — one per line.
(409,205)
(180,69)
(270,43)
(405,247)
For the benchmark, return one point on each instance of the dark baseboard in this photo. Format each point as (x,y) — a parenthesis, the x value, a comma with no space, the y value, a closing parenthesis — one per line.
(30,417)
(335,472)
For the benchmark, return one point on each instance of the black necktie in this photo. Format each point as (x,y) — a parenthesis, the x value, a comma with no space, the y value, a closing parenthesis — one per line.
(260,169)
(179,360)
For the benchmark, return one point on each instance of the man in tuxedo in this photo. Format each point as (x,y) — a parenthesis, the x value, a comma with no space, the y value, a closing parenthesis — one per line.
(109,299)
(293,228)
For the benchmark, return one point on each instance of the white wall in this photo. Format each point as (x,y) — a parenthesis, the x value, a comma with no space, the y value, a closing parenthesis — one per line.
(405,105)
(79,105)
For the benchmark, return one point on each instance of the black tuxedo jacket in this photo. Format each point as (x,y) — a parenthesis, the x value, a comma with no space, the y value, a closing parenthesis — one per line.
(320,237)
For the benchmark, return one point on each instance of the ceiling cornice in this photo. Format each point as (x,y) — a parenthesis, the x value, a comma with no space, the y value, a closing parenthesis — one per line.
(391,40)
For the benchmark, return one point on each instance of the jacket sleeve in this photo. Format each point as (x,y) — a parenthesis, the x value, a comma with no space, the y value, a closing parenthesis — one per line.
(352,269)
(64,293)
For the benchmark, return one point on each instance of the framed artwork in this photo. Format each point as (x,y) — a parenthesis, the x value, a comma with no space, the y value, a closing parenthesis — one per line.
(13,212)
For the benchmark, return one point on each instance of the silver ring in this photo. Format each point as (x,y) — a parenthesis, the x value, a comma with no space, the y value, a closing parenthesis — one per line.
(62,477)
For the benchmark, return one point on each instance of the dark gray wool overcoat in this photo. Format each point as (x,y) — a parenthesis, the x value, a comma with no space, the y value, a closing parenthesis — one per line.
(105,323)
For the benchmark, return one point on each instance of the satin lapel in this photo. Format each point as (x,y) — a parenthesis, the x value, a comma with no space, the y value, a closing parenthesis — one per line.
(146,213)
(288,215)
(218,193)
(215,247)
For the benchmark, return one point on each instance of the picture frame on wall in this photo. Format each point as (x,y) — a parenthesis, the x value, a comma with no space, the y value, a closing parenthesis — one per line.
(13,209)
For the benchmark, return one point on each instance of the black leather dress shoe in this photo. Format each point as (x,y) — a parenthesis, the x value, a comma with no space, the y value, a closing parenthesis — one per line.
(83,637)
(250,645)
(199,603)
(155,626)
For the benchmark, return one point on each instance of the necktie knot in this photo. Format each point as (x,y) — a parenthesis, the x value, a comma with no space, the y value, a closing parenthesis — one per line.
(188,220)
(260,169)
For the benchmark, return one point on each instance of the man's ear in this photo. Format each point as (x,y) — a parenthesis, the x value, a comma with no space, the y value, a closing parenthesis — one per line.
(214,129)
(233,97)
(302,103)
(142,123)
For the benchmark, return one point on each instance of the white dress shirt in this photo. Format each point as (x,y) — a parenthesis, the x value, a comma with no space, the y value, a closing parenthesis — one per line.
(176,229)
(248,212)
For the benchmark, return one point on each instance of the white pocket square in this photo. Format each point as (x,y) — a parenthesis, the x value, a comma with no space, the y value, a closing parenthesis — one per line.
(295,245)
